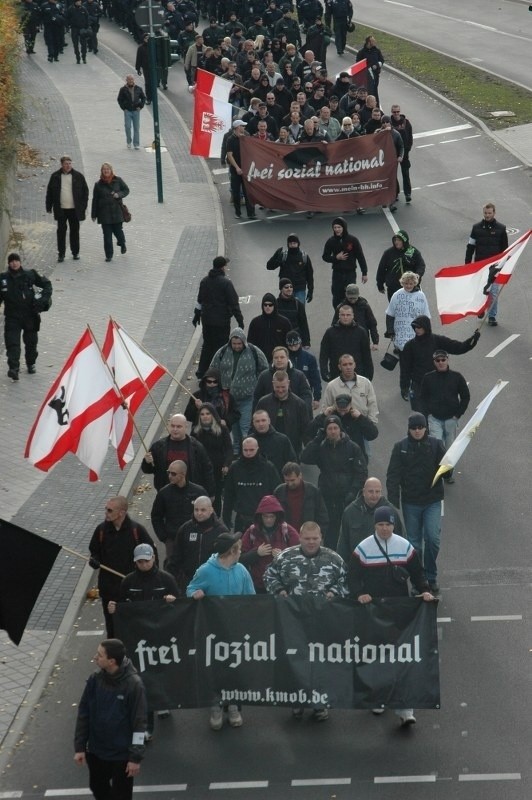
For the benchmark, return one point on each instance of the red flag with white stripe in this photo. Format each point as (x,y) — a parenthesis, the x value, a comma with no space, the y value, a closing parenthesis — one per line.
(463,290)
(77,413)
(212,120)
(360,72)
(135,373)
(213,85)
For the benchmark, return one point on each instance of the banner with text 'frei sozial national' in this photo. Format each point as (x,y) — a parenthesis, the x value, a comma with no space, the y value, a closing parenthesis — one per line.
(270,651)
(355,173)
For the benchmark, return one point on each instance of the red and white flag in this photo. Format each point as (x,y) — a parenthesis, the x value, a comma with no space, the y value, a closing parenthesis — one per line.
(213,85)
(135,373)
(212,120)
(463,290)
(360,71)
(77,413)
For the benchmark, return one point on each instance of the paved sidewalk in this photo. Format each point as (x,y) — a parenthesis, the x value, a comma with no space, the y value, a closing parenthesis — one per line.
(150,291)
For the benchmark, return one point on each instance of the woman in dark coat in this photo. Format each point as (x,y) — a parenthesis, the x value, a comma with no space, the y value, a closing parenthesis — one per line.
(107,209)
(216,440)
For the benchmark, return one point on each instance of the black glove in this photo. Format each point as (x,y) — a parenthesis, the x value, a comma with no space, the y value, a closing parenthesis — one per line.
(475,337)
(196,319)
(309,297)
(389,335)
(94,563)
(240,322)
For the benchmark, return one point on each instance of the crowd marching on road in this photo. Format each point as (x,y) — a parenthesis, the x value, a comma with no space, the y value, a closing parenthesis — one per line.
(233,513)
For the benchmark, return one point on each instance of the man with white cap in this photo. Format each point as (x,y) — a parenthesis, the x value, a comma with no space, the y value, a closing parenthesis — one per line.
(235,170)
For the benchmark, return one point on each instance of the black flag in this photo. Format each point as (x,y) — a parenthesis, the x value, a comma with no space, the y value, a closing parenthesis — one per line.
(24,567)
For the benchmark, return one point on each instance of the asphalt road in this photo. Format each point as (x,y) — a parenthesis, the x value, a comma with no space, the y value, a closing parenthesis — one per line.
(477,745)
(493,34)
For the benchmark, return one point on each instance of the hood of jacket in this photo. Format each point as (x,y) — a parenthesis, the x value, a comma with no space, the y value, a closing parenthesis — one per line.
(422,322)
(124,671)
(340,221)
(403,236)
(270,298)
(212,372)
(238,333)
(269,505)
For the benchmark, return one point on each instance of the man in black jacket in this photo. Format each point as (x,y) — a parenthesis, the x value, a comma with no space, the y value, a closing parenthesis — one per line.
(399,258)
(487,238)
(288,413)
(293,263)
(24,294)
(250,477)
(172,506)
(276,446)
(112,545)
(178,446)
(77,17)
(131,99)
(413,464)
(290,307)
(417,355)
(345,338)
(268,329)
(444,396)
(299,384)
(193,543)
(354,423)
(343,251)
(67,195)
(217,302)
(364,316)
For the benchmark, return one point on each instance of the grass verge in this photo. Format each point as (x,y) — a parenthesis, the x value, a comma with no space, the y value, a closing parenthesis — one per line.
(468,87)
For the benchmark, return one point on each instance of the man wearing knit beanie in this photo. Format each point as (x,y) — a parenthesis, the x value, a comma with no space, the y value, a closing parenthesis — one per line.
(293,263)
(413,463)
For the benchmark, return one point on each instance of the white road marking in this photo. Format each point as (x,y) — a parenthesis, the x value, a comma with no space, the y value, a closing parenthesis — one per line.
(440,183)
(491,776)
(395,3)
(406,779)
(8,795)
(478,25)
(473,136)
(221,171)
(464,178)
(164,787)
(68,793)
(240,785)
(448,141)
(322,782)
(498,618)
(85,633)
(502,345)
(422,146)
(507,169)
(391,219)
(441,131)
(481,174)
(444,619)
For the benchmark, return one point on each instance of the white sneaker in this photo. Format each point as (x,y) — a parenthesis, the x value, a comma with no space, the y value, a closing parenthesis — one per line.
(217,718)
(163,714)
(129,147)
(408,719)
(235,717)
(378,711)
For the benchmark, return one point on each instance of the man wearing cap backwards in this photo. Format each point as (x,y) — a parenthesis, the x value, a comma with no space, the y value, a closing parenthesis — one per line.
(371,574)
(400,257)
(222,575)
(293,263)
(413,464)
(444,396)
(217,302)
(356,425)
(146,582)
(343,251)
(364,316)
(357,519)
(235,171)
(418,353)
(112,545)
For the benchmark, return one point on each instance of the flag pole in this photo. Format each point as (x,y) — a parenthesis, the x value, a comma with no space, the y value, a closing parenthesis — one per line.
(162,365)
(88,558)
(117,387)
(145,385)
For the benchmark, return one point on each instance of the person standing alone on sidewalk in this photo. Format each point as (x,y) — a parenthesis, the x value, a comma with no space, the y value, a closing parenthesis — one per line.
(488,238)
(131,99)
(67,196)
(106,209)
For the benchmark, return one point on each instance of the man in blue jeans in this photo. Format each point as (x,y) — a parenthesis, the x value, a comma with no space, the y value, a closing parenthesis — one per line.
(413,464)
(131,99)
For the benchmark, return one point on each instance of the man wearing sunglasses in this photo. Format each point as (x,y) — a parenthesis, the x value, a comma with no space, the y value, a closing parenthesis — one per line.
(413,464)
(445,397)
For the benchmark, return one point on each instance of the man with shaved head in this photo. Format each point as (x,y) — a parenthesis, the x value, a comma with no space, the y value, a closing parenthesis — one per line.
(179,446)
(250,477)
(358,518)
(194,541)
(172,506)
